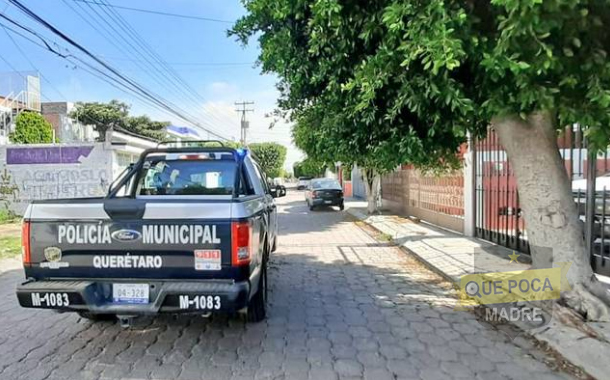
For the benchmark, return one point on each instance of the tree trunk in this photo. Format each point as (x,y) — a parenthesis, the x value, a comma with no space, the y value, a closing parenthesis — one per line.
(551,217)
(372,181)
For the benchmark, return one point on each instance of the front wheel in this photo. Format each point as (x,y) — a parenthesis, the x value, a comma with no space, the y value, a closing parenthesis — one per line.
(257,308)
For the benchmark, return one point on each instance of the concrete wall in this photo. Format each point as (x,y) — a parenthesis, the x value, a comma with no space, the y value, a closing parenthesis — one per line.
(358,186)
(46,171)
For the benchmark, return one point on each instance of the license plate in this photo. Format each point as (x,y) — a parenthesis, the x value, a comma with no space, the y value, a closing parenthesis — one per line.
(328,202)
(130,293)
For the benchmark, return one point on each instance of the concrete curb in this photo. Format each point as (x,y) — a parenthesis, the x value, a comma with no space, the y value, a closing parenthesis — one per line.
(575,346)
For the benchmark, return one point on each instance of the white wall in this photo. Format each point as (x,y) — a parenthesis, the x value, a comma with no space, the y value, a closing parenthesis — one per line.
(47,171)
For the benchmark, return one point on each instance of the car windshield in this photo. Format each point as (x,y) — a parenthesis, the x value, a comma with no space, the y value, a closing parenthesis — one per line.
(326,184)
(188,177)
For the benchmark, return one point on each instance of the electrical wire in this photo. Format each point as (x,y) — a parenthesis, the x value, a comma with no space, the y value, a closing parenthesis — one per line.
(127,36)
(200,18)
(134,86)
(137,38)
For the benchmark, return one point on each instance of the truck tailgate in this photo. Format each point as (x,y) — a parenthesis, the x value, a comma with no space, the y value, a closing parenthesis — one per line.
(141,248)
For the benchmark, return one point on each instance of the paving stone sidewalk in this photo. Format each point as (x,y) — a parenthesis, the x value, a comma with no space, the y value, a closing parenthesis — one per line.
(453,255)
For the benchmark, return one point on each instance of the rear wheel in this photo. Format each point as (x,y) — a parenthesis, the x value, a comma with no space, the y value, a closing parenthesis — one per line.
(96,317)
(257,308)
(341,207)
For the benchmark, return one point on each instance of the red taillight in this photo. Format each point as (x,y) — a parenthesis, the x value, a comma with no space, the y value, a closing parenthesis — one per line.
(25,243)
(241,238)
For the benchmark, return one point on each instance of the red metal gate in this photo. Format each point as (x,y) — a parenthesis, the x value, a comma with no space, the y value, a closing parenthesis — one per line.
(498,214)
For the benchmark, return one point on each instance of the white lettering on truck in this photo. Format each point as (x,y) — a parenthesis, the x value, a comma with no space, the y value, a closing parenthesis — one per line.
(128,261)
(151,234)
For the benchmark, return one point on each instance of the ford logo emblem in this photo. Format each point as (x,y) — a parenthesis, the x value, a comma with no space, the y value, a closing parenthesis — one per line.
(126,235)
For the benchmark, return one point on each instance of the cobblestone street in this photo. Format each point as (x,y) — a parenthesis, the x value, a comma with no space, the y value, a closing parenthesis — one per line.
(342,306)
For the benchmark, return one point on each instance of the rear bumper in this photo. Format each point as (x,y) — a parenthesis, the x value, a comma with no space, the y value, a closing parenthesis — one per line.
(327,202)
(164,296)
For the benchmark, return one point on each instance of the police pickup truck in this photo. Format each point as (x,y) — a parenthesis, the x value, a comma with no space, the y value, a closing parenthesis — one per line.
(183,230)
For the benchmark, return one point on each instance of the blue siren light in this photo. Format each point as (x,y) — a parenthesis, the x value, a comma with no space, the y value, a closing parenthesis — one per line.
(241,152)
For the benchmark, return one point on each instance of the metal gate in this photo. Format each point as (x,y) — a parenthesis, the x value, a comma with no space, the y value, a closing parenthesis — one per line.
(498,214)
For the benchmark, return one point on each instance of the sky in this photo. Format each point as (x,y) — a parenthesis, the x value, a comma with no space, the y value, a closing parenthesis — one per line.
(216,69)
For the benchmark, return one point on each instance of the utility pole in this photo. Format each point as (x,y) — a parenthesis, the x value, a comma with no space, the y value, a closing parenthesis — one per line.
(244,123)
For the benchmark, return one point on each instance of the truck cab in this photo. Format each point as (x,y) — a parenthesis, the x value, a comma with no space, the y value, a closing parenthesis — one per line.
(184,230)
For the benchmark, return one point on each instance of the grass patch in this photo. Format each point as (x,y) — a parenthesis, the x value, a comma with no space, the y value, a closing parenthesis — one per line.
(384,237)
(7,216)
(10,246)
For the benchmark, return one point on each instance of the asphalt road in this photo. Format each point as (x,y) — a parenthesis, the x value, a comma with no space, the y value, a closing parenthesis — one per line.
(342,306)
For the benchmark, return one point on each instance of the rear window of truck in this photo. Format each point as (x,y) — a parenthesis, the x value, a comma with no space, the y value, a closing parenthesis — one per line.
(187,177)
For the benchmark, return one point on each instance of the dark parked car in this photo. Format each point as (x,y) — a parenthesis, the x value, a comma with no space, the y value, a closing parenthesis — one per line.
(324,192)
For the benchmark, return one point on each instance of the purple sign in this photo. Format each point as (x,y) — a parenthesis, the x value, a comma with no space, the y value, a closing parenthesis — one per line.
(47,155)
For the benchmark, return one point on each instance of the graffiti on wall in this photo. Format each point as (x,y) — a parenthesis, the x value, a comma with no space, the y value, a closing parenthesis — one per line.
(47,155)
(9,191)
(63,183)
(53,172)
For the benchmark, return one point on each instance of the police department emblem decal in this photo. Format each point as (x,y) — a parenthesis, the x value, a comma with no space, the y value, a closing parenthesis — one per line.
(53,256)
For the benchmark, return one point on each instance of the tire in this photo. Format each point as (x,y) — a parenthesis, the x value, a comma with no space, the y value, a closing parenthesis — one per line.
(341,207)
(96,317)
(257,307)
(311,208)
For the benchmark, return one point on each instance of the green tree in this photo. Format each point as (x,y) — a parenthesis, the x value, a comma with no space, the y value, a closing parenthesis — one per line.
(309,168)
(407,79)
(32,128)
(144,126)
(270,156)
(102,116)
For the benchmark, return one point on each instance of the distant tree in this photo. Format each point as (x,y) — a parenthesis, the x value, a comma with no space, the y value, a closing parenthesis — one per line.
(102,116)
(270,156)
(144,126)
(32,128)
(309,168)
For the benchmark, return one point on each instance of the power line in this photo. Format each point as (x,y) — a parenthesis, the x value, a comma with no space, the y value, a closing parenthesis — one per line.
(93,71)
(32,64)
(184,63)
(192,93)
(140,48)
(134,86)
(158,12)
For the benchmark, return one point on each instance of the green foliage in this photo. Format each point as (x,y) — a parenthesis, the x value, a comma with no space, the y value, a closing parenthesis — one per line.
(309,168)
(8,216)
(380,83)
(270,156)
(102,116)
(142,125)
(32,128)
